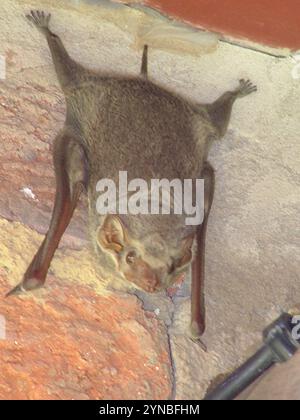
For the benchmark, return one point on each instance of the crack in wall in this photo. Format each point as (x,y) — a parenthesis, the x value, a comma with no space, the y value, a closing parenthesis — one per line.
(149,304)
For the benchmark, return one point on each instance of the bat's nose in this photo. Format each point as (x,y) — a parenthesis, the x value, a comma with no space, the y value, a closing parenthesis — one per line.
(150,283)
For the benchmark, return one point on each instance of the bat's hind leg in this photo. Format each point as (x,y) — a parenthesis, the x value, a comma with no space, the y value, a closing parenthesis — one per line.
(67,69)
(220,110)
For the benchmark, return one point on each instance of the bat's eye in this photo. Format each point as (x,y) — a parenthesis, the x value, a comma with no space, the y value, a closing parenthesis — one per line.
(131,256)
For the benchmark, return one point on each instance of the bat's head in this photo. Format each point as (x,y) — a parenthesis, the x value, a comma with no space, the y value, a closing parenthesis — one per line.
(152,259)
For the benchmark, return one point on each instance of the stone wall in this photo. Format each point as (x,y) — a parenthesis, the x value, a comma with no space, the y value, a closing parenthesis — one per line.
(76,339)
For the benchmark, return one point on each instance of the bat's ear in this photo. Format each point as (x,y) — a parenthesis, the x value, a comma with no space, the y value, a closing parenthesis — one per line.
(112,234)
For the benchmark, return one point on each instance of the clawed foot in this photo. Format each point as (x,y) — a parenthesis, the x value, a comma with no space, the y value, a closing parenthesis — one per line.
(39,19)
(246,87)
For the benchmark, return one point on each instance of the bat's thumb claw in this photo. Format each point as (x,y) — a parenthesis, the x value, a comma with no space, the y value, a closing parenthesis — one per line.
(195,334)
(18,290)
(201,344)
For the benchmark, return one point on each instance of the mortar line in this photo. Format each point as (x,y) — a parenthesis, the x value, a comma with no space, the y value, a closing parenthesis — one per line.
(257,50)
(163,15)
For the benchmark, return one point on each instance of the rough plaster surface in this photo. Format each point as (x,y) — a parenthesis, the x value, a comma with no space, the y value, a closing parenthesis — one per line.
(252,263)
(68,342)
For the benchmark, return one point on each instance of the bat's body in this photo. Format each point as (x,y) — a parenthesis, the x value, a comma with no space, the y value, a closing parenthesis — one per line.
(130,124)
